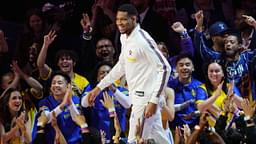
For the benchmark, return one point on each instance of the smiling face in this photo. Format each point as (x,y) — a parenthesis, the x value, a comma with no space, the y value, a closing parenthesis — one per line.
(184,68)
(215,74)
(58,86)
(15,102)
(105,50)
(125,23)
(66,64)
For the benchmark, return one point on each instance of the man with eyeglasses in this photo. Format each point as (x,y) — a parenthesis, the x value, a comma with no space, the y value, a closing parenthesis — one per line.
(105,51)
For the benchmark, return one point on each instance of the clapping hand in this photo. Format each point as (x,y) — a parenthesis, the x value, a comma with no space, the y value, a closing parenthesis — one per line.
(67,98)
(219,89)
(20,121)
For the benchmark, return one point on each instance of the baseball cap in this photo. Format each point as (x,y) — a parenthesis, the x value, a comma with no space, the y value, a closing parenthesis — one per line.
(218,28)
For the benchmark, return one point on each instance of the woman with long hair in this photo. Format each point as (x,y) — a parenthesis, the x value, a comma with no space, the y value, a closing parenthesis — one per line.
(216,91)
(12,118)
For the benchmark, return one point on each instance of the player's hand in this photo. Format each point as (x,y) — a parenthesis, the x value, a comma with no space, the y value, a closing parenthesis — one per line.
(92,95)
(150,110)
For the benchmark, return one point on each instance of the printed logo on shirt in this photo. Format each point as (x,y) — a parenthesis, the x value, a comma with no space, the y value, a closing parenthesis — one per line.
(130,52)
(139,93)
(235,72)
(193,93)
(130,57)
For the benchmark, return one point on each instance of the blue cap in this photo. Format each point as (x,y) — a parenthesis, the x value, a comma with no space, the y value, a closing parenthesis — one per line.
(218,28)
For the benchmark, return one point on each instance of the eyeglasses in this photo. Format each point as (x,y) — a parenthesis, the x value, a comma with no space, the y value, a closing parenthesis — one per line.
(102,46)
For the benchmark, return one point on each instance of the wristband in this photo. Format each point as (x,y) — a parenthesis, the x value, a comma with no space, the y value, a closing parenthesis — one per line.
(87,35)
(112,112)
(85,130)
(112,109)
(184,34)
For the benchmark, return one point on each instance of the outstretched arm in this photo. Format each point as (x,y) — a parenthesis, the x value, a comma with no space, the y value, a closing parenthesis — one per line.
(186,43)
(44,69)
(86,25)
(33,83)
(116,73)
(200,46)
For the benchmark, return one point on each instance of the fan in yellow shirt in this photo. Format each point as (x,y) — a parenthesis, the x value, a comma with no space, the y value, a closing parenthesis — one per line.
(215,91)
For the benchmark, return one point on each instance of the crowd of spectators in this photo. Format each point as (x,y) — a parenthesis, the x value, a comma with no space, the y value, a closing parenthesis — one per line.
(53,52)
